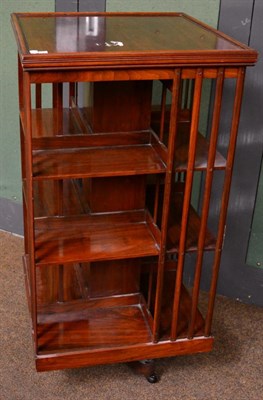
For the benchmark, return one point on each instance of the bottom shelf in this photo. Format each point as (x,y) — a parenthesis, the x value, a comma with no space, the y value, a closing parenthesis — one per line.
(110,329)
(93,324)
(71,336)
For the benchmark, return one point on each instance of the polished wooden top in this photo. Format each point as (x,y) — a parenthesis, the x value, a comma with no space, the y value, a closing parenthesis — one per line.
(83,40)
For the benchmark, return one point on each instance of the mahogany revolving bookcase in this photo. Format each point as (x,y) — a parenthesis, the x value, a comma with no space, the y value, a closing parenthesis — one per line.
(112,109)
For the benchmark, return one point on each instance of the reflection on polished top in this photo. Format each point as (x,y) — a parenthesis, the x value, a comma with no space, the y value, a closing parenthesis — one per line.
(133,38)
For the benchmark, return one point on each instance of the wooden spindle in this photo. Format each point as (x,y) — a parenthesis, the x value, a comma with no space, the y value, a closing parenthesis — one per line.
(206,200)
(59,210)
(57,95)
(162,122)
(22,144)
(38,95)
(225,196)
(163,110)
(190,94)
(20,85)
(185,93)
(156,200)
(30,203)
(150,287)
(187,199)
(166,201)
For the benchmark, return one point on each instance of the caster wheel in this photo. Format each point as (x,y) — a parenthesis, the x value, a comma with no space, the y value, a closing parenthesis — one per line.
(152,378)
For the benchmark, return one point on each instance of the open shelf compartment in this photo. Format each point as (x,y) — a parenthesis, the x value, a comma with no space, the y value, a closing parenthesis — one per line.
(193,228)
(182,142)
(95,323)
(150,271)
(97,162)
(175,221)
(95,237)
(202,149)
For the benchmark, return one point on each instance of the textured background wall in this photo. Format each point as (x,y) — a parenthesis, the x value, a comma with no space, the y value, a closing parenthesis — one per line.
(205,10)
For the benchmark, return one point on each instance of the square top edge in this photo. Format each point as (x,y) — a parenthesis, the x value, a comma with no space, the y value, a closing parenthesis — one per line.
(174,37)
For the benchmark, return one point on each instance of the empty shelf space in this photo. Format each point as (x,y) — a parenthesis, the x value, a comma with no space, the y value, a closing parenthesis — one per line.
(93,324)
(60,240)
(185,306)
(57,197)
(97,162)
(51,122)
(193,228)
(184,311)
(174,221)
(182,142)
(202,149)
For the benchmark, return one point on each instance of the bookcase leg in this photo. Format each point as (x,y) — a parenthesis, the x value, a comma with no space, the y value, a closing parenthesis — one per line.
(145,368)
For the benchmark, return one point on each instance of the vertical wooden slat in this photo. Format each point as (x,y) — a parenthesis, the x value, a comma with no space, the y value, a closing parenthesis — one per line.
(162,122)
(163,109)
(22,145)
(150,287)
(166,201)
(30,201)
(38,95)
(190,94)
(185,93)
(59,211)
(206,200)
(187,199)
(57,95)
(225,196)
(24,185)
(58,194)
(61,283)
(20,84)
(156,200)
(23,174)
(58,104)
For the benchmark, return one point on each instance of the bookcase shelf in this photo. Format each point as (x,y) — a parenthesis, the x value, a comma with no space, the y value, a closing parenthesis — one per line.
(61,240)
(96,162)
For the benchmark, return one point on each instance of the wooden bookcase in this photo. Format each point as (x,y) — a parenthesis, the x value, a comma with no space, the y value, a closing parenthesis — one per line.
(108,181)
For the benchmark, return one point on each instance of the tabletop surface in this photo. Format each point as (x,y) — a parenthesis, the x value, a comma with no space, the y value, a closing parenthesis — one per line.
(171,38)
